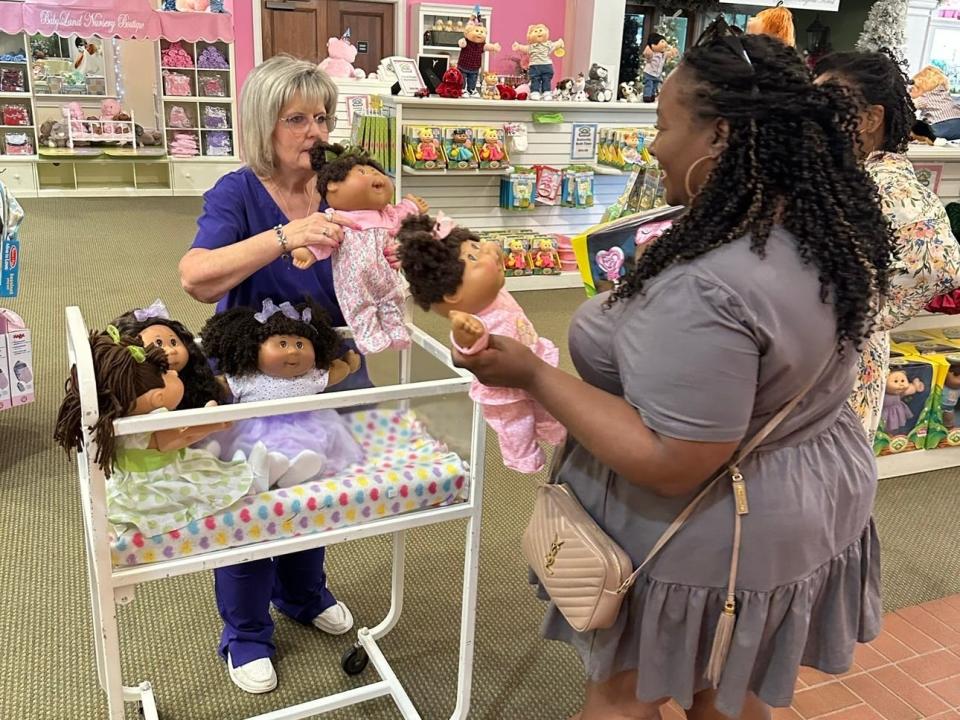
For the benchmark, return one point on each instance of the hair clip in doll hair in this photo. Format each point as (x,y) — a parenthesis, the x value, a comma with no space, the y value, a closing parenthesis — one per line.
(155,310)
(443,226)
(138,353)
(269,309)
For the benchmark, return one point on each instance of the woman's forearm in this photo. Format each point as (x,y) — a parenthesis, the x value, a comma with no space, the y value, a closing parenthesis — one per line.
(208,275)
(612,431)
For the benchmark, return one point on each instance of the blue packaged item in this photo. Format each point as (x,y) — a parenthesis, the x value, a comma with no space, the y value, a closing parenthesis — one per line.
(12,215)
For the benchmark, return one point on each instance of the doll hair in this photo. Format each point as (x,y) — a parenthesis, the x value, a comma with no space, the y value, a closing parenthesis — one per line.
(234,337)
(336,169)
(121,378)
(654,38)
(431,265)
(930,78)
(776,22)
(200,386)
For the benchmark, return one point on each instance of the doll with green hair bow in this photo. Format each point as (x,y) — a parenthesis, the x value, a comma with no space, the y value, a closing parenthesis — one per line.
(155,481)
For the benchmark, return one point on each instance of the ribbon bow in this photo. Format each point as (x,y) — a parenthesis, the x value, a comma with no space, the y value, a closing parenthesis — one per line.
(285,309)
(138,353)
(443,226)
(155,310)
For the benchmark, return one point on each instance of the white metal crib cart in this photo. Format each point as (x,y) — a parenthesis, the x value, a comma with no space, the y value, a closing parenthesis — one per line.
(427,484)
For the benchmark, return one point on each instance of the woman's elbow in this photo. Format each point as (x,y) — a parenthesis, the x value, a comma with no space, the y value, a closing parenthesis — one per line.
(198,290)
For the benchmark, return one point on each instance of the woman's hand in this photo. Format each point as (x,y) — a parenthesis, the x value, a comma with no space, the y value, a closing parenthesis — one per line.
(324,229)
(505,363)
(390,253)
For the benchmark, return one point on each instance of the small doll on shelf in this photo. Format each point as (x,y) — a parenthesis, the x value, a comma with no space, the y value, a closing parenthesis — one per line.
(454,274)
(473,45)
(489,88)
(538,47)
(896,413)
(461,148)
(427,147)
(492,149)
(154,327)
(517,257)
(546,257)
(370,291)
(155,481)
(284,352)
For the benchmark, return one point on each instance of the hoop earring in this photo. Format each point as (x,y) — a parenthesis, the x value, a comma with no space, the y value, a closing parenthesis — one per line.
(686,180)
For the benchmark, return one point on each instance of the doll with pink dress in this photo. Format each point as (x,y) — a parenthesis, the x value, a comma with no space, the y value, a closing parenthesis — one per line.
(370,292)
(453,273)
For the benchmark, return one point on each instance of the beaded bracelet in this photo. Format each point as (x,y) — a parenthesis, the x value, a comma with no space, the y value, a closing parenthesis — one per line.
(281,239)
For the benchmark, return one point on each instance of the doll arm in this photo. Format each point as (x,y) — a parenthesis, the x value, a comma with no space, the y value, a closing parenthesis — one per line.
(557,45)
(468,333)
(393,215)
(179,438)
(648,52)
(517,47)
(342,368)
(492,47)
(303,258)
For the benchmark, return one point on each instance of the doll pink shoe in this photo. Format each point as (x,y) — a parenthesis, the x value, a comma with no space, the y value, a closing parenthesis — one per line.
(335,620)
(256,677)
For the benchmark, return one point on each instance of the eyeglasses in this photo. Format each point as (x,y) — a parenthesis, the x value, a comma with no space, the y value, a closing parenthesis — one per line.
(299,123)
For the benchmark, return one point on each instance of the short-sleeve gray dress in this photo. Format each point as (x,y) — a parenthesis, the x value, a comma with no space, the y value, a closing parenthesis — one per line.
(713,349)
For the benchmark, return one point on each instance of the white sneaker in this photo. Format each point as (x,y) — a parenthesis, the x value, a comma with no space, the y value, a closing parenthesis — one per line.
(335,620)
(305,466)
(256,677)
(534,95)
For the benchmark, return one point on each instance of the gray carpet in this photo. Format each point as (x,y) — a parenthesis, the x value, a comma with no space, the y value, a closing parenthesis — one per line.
(110,255)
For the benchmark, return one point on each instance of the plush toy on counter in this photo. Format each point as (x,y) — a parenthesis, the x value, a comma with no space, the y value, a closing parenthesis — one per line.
(628,92)
(453,273)
(490,90)
(155,481)
(580,88)
(473,45)
(53,134)
(565,90)
(340,56)
(284,351)
(598,89)
(452,84)
(538,47)
(154,327)
(370,292)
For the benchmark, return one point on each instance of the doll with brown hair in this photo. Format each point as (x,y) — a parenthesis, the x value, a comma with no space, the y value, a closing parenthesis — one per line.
(453,273)
(283,352)
(155,482)
(776,22)
(154,327)
(369,290)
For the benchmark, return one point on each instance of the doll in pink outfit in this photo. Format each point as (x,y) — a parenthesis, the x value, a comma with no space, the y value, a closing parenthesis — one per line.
(370,292)
(453,273)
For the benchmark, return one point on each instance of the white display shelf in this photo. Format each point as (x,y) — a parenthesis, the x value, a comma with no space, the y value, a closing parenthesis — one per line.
(596,108)
(564,281)
(16,95)
(918,461)
(198,99)
(407,170)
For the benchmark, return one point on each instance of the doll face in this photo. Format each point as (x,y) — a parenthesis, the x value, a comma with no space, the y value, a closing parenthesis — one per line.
(365,188)
(286,356)
(538,34)
(169,396)
(168,341)
(482,278)
(953,377)
(475,33)
(491,135)
(426,135)
(897,383)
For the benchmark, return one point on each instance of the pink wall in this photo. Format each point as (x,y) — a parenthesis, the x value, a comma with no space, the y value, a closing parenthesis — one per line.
(510,21)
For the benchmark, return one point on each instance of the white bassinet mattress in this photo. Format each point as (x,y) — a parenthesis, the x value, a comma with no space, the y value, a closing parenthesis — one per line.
(405,470)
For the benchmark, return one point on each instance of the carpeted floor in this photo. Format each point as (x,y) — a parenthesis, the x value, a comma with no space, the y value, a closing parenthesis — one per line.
(110,255)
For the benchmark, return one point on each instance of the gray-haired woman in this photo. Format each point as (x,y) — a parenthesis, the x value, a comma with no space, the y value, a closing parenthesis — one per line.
(251,220)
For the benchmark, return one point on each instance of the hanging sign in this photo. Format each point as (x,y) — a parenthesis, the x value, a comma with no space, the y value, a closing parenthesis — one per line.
(584,142)
(356,105)
(929,175)
(822,5)
(48,20)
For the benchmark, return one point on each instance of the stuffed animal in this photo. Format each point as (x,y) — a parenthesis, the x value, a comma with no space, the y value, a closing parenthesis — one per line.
(148,138)
(490,91)
(580,89)
(74,113)
(340,56)
(110,110)
(776,22)
(565,89)
(53,134)
(597,88)
(452,84)
(506,92)
(628,92)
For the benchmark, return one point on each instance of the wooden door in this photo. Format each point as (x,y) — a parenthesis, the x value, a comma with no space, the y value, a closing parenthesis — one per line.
(371,29)
(295,27)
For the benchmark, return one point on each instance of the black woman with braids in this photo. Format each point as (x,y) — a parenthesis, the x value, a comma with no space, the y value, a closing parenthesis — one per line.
(762,289)
(927,257)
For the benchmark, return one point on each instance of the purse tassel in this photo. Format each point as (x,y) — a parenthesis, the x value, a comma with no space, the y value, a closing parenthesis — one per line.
(721,642)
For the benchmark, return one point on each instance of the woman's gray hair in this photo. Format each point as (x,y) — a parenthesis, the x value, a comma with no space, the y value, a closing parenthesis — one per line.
(267,90)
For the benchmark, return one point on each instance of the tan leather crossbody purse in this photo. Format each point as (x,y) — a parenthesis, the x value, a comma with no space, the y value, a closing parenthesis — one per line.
(588,575)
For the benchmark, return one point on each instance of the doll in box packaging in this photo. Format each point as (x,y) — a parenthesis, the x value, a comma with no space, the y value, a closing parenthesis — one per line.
(455,274)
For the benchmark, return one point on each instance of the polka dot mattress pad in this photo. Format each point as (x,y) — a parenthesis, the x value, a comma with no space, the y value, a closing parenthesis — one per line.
(405,470)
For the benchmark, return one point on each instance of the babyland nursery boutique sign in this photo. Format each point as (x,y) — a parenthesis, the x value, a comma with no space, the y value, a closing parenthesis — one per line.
(77,21)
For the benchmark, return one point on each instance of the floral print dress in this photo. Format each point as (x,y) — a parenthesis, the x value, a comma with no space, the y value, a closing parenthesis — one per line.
(926,264)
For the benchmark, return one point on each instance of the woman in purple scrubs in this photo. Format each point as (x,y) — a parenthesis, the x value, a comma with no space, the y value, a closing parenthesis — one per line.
(251,220)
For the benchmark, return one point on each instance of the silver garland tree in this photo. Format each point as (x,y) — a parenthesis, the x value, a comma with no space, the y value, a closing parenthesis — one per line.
(885,27)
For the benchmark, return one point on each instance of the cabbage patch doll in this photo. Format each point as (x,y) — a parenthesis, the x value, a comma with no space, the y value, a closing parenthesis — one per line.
(453,273)
(155,482)
(282,351)
(370,292)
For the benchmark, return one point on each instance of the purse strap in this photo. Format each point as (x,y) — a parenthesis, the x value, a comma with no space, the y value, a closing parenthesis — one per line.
(740,496)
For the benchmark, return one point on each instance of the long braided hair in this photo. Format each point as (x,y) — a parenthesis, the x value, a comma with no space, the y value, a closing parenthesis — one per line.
(790,161)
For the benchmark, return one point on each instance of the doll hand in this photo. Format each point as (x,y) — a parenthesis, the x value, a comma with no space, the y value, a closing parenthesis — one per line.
(462,43)
(390,253)
(421,204)
(516,46)
(352,359)
(505,363)
(302,258)
(466,329)
(495,47)
(918,385)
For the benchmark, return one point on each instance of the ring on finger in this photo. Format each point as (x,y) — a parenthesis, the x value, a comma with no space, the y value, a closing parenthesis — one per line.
(329,214)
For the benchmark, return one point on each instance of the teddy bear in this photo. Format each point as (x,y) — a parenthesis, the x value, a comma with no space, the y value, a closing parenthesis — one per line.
(53,134)
(597,88)
(340,56)
(452,84)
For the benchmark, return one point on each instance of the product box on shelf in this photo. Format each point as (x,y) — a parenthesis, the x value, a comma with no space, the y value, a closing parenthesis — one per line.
(12,216)
(578,187)
(526,251)
(492,149)
(423,148)
(518,190)
(459,147)
(909,404)
(943,428)
(16,361)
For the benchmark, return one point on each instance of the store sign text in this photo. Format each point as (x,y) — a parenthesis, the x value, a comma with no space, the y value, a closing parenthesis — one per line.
(100,23)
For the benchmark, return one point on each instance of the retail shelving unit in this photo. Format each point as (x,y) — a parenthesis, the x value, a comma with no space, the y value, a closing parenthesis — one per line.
(12,44)
(431,41)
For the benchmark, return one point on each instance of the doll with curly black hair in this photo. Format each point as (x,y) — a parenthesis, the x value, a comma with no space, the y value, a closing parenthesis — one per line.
(370,292)
(453,273)
(276,352)
(155,327)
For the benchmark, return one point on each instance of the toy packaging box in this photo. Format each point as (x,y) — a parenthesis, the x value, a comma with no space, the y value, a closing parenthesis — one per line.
(938,346)
(578,182)
(491,148)
(16,361)
(12,217)
(518,190)
(423,148)
(526,251)
(909,403)
(460,149)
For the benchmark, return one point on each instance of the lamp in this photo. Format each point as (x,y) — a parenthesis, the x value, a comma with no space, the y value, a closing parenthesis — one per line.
(818,35)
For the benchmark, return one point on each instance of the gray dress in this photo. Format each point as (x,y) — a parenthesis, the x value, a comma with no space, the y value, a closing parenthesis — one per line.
(712,350)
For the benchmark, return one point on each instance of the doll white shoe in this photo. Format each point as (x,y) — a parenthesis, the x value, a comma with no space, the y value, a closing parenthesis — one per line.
(256,677)
(212,447)
(277,465)
(304,466)
(260,467)
(335,620)
(547,96)
(534,95)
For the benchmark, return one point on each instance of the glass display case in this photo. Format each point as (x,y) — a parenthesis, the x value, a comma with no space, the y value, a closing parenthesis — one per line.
(69,65)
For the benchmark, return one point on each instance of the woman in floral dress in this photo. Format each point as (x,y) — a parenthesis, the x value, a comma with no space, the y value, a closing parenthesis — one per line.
(927,256)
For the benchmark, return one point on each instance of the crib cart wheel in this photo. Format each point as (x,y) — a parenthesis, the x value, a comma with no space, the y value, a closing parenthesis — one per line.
(354,660)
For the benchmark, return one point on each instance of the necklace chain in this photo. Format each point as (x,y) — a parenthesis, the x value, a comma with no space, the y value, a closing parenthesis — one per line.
(282,196)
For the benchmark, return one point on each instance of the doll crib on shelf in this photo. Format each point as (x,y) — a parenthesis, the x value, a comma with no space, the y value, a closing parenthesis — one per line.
(414,476)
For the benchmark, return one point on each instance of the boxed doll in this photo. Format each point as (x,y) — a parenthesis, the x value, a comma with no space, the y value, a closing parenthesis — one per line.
(908,403)
(518,190)
(459,147)
(423,148)
(16,361)
(544,255)
(492,149)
